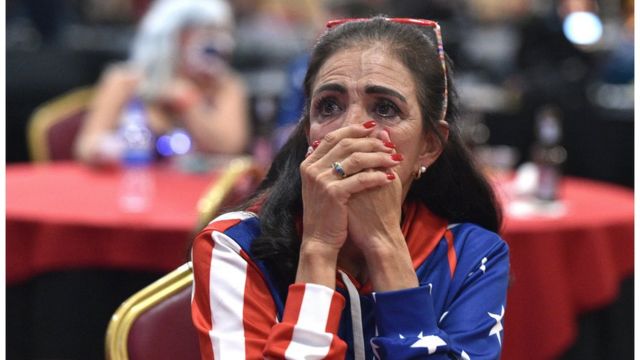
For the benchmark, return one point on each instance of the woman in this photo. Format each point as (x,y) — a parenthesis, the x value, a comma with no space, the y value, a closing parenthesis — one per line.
(179,76)
(377,239)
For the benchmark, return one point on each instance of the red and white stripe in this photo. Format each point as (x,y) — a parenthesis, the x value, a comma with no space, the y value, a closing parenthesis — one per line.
(235,314)
(312,334)
(227,278)
(232,307)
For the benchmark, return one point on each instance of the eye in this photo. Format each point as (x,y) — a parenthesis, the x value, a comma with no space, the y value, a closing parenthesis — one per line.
(386,109)
(327,107)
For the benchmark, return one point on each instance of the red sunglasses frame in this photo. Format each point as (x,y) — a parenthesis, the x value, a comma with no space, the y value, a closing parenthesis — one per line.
(419,22)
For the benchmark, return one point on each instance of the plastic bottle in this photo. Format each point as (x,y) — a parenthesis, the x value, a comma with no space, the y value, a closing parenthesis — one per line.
(137,186)
(548,153)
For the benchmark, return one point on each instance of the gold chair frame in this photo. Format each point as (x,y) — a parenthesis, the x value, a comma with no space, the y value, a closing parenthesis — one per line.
(215,195)
(123,319)
(47,114)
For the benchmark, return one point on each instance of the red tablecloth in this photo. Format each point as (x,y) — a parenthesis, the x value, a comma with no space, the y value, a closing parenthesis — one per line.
(65,215)
(564,266)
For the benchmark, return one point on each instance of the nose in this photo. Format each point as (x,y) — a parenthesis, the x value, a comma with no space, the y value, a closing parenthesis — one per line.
(355,114)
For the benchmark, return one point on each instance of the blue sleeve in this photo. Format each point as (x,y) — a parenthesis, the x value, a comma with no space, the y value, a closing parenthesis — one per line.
(469,328)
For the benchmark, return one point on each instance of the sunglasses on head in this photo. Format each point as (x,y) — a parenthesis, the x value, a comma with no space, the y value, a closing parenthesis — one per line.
(418,22)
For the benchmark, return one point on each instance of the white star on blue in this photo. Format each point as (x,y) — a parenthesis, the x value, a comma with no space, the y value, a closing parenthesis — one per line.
(430,342)
(495,330)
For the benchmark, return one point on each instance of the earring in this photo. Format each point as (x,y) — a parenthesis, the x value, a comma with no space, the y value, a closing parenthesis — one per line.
(420,171)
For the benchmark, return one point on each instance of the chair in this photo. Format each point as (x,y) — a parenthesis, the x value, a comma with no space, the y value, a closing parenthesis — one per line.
(240,178)
(53,127)
(155,323)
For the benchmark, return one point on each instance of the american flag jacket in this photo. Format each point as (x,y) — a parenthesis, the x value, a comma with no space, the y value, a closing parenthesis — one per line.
(456,312)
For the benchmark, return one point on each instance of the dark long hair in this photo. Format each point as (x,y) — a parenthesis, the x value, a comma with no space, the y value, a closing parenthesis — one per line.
(452,188)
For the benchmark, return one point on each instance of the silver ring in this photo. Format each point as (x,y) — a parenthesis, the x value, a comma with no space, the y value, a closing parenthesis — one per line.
(337,167)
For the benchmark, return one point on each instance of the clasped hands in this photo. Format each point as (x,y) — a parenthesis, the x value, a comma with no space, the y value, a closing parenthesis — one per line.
(364,206)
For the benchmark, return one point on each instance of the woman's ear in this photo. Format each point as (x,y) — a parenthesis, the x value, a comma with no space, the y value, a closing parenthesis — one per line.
(434,144)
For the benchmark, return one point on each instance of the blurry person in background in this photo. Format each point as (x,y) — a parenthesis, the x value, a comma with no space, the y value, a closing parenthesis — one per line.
(291,104)
(618,68)
(553,70)
(178,77)
(555,65)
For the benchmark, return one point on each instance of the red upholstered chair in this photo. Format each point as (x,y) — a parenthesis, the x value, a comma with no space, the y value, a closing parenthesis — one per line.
(53,127)
(155,323)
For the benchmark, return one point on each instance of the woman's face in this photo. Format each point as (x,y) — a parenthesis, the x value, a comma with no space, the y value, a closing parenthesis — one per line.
(356,85)
(203,51)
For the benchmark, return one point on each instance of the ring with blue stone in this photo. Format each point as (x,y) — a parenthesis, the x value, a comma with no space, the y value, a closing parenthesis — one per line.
(337,167)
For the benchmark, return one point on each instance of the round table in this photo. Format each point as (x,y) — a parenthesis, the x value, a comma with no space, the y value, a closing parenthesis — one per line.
(66,215)
(564,266)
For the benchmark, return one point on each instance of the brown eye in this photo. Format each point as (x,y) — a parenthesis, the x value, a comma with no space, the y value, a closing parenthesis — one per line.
(386,109)
(327,107)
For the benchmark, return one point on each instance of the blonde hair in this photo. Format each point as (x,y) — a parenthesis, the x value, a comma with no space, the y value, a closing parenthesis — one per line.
(155,51)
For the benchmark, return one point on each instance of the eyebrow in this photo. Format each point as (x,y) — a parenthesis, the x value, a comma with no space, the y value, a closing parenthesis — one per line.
(332,87)
(370,89)
(376,89)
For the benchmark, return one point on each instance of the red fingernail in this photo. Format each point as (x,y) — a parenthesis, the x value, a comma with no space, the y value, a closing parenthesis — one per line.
(389,144)
(391,176)
(315,144)
(397,157)
(369,124)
